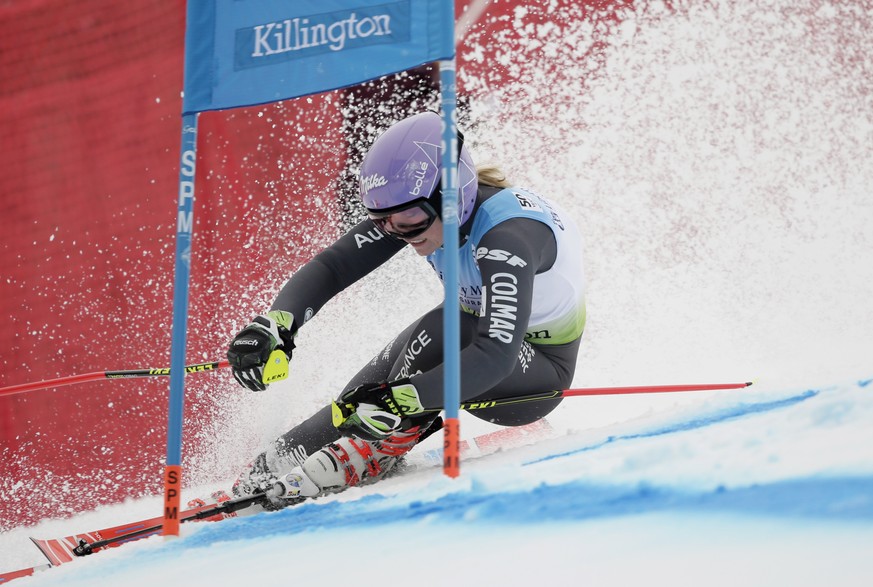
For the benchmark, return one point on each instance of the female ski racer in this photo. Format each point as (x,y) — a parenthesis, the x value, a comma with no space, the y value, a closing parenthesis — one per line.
(522,292)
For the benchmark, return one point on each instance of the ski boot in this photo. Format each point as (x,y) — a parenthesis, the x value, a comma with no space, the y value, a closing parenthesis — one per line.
(348,462)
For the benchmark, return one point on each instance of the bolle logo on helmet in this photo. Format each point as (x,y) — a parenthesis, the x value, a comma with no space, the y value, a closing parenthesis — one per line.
(419,174)
(371,182)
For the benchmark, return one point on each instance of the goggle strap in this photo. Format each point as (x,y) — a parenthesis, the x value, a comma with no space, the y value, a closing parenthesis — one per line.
(385,212)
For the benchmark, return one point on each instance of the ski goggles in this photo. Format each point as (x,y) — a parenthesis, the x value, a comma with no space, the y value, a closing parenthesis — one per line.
(405,221)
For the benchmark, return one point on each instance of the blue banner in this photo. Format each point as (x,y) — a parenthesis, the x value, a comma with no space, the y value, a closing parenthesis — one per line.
(244,52)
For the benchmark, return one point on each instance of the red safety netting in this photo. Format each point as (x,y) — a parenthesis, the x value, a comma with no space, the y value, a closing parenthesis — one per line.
(90,102)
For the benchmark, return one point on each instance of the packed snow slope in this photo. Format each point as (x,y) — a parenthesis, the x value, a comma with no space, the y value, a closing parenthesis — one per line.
(754,487)
(717,157)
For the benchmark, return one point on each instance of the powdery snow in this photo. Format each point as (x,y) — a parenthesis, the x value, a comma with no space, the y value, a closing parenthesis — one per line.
(717,159)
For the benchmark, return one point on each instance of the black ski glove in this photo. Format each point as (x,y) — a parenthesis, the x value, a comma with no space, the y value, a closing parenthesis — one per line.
(259,354)
(376,410)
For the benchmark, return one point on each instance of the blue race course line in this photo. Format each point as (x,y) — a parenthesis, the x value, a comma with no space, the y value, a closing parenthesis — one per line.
(842,499)
(845,499)
(731,413)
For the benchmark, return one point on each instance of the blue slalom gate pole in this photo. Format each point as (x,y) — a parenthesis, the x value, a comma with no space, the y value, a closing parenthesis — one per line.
(236,56)
(184,232)
(451,305)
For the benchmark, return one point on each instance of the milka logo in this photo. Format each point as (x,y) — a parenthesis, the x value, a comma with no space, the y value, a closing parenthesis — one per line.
(371,182)
(303,33)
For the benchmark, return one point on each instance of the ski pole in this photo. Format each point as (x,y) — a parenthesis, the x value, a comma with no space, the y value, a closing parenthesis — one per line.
(147,372)
(341,412)
(85,548)
(164,371)
(653,389)
(545,395)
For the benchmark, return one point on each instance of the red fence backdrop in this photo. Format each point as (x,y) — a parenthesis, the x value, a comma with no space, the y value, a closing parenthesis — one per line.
(90,102)
(90,112)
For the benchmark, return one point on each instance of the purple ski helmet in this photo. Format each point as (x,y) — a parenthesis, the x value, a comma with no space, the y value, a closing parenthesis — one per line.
(404,166)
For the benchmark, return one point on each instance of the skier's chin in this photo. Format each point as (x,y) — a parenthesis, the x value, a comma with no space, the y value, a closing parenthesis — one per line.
(422,246)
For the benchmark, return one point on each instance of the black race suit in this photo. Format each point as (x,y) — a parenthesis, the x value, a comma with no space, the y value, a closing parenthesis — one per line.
(489,368)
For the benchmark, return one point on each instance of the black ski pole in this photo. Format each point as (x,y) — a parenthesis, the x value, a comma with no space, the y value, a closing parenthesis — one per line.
(85,548)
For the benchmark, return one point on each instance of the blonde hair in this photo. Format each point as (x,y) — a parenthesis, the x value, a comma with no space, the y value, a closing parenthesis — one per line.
(492,175)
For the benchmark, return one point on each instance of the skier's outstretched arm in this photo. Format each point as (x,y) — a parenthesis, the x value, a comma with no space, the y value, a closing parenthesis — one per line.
(351,257)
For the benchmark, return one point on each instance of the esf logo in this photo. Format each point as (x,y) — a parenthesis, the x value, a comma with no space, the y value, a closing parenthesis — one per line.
(500,255)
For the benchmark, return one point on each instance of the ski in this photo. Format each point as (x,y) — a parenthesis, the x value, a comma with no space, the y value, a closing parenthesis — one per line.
(27,572)
(59,551)
(503,439)
(63,550)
